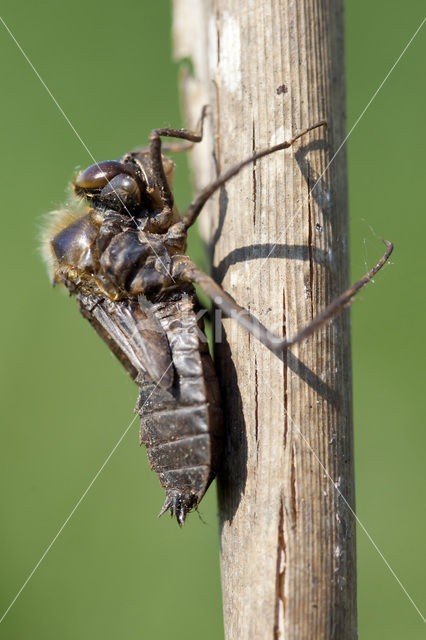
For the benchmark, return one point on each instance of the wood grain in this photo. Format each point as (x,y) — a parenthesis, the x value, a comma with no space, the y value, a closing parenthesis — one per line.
(279,239)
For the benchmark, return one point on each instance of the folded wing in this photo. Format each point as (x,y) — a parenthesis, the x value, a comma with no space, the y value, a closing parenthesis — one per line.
(133,334)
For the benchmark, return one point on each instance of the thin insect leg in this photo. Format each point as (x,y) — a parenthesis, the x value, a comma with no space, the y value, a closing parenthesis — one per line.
(155,154)
(342,301)
(168,147)
(233,310)
(177,147)
(195,207)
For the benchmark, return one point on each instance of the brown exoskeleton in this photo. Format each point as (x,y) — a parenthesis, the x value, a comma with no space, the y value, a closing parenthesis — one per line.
(123,257)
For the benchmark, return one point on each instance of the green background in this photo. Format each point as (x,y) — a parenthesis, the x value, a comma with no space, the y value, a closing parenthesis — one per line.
(116,571)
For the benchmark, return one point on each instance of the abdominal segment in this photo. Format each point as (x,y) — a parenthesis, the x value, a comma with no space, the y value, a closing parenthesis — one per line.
(182,426)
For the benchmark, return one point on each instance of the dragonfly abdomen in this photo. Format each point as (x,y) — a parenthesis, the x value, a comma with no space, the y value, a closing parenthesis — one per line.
(181,427)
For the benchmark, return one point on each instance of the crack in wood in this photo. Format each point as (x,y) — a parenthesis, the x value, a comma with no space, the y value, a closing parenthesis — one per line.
(293,500)
(253,147)
(280,599)
(217,38)
(310,247)
(285,372)
(256,407)
(217,92)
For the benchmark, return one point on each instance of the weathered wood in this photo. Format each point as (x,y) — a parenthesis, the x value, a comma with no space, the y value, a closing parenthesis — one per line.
(269,69)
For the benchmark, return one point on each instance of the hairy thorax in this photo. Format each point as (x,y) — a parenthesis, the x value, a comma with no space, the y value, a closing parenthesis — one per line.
(109,254)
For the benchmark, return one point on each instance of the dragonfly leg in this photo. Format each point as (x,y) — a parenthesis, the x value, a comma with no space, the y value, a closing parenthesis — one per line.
(277,344)
(155,149)
(195,207)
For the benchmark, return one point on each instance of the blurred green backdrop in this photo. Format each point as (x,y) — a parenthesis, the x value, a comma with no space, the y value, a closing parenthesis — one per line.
(116,571)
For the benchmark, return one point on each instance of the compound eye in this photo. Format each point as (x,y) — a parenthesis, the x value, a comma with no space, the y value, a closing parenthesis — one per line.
(98,175)
(121,193)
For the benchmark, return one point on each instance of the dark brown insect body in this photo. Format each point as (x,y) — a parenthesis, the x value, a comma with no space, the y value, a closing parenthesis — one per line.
(127,273)
(123,257)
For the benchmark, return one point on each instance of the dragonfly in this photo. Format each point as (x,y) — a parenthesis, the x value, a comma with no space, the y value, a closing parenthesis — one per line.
(119,247)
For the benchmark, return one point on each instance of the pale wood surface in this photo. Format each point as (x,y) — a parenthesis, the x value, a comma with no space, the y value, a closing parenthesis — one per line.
(287,536)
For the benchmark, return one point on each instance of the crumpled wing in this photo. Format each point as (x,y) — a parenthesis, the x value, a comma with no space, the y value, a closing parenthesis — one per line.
(133,334)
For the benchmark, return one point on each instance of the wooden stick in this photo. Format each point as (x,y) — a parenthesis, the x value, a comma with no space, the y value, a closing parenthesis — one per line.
(278,233)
